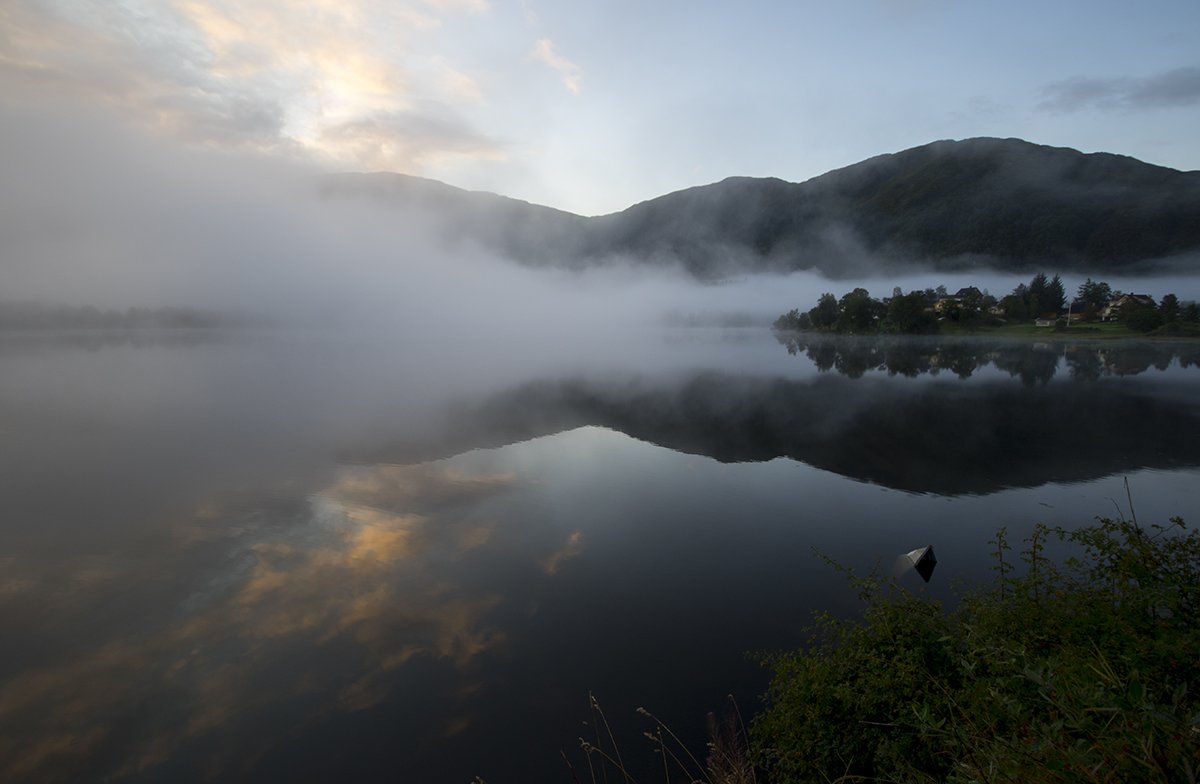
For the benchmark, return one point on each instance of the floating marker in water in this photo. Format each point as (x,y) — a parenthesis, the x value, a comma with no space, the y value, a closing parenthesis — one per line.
(923,560)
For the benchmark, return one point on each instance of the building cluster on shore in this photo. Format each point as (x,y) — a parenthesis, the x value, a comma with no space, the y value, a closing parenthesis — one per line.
(1042,302)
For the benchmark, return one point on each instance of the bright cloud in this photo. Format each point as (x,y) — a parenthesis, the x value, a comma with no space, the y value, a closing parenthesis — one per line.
(474,6)
(409,140)
(359,83)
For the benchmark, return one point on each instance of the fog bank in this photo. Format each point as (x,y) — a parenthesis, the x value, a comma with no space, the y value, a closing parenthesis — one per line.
(117,218)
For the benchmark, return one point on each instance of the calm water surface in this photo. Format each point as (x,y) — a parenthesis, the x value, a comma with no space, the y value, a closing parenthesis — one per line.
(339,557)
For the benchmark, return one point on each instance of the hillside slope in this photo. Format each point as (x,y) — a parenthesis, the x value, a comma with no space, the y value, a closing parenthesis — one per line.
(1001,203)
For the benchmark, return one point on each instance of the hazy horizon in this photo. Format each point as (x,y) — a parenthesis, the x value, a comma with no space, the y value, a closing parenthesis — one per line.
(533,100)
(136,220)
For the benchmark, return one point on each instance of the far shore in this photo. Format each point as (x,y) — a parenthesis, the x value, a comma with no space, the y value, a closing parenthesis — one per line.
(1110,331)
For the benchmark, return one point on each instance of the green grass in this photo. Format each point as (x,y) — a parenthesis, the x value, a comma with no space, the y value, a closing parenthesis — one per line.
(725,760)
(1079,331)
(1081,670)
(1090,331)
(1075,669)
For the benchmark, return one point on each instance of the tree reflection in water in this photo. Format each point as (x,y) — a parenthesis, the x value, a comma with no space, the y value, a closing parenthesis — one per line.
(1034,363)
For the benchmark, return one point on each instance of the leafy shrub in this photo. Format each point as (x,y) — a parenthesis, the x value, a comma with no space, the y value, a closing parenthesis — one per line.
(1083,670)
(1141,318)
(1178,329)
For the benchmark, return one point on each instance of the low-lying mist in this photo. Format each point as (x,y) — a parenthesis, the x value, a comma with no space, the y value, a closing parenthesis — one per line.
(114,218)
(95,213)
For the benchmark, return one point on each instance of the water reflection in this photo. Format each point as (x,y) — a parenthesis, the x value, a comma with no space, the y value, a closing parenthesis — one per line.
(376,577)
(1032,363)
(944,436)
(193,588)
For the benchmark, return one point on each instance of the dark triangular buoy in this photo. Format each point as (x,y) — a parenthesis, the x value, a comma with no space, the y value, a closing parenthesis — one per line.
(923,560)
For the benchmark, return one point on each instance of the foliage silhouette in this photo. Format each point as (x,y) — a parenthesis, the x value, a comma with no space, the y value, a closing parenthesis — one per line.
(1080,669)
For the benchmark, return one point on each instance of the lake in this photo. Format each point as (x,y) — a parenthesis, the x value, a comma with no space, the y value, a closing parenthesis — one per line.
(324,556)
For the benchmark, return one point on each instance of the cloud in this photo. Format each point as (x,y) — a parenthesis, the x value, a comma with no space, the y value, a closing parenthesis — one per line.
(407,140)
(471,6)
(1180,87)
(568,71)
(259,76)
(531,16)
(456,83)
(982,106)
(1175,88)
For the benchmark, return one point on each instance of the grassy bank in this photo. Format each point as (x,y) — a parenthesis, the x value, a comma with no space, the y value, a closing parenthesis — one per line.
(1088,331)
(1099,331)
(1083,670)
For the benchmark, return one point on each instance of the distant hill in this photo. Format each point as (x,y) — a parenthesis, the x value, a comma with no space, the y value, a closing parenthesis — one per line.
(1002,203)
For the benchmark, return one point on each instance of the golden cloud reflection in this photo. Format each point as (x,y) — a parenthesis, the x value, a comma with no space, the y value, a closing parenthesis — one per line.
(572,548)
(387,569)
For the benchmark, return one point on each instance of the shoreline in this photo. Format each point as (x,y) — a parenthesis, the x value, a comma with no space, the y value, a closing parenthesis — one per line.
(1014,332)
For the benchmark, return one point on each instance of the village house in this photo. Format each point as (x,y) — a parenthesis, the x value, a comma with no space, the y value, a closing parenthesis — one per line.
(1112,310)
(968,292)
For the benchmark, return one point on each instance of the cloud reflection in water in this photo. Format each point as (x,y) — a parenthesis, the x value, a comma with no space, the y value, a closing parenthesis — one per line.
(318,616)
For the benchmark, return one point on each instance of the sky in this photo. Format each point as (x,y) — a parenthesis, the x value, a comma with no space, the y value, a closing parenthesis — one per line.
(593,106)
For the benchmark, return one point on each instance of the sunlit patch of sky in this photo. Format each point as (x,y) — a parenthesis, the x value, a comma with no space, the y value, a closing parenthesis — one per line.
(593,106)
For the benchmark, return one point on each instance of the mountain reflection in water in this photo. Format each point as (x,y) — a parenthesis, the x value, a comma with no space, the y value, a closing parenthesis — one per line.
(942,437)
(193,588)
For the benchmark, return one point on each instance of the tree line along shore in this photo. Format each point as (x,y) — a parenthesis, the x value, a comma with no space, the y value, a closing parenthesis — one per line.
(1042,302)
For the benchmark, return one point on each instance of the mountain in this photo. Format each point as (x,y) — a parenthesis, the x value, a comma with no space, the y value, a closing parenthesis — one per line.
(1003,203)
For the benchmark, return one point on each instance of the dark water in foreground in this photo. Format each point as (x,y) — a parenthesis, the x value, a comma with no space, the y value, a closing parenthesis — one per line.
(328,557)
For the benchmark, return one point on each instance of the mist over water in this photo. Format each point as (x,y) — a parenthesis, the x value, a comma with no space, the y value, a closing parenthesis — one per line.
(122,219)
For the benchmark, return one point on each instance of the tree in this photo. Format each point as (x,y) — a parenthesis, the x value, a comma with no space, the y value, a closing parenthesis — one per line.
(1094,295)
(907,314)
(858,312)
(1017,305)
(1169,308)
(970,309)
(1141,317)
(825,314)
(1035,297)
(1056,296)
(792,320)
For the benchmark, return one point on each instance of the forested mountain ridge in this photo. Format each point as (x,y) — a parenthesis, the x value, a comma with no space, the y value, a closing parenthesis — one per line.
(1001,203)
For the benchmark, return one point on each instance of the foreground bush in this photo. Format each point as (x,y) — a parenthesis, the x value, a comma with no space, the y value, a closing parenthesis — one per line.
(1084,670)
